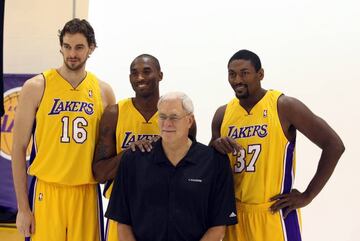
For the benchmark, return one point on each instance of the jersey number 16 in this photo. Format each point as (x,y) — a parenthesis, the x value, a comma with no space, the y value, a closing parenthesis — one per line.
(78,131)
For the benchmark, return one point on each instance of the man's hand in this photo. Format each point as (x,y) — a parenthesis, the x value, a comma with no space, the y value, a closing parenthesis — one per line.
(143,145)
(289,202)
(25,222)
(226,145)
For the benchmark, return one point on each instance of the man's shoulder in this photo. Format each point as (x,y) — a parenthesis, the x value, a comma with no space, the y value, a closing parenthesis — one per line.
(200,147)
(207,152)
(125,104)
(130,156)
(36,81)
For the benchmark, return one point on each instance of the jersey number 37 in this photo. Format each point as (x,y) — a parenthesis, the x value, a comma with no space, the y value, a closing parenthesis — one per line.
(241,165)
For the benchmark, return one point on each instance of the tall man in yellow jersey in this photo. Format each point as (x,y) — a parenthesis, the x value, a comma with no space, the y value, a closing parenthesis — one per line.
(64,105)
(258,130)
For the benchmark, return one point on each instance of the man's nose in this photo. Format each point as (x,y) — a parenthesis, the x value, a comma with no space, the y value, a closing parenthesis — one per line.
(239,79)
(72,53)
(140,77)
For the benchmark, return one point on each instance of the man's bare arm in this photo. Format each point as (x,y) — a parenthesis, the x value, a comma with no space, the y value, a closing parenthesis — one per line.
(222,144)
(29,101)
(125,233)
(107,94)
(294,114)
(214,234)
(106,160)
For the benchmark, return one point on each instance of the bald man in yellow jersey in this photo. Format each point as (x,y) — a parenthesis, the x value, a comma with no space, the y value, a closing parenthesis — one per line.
(64,106)
(258,129)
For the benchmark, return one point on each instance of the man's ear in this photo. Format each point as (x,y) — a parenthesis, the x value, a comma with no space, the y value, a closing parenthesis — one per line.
(92,48)
(261,73)
(191,120)
(161,75)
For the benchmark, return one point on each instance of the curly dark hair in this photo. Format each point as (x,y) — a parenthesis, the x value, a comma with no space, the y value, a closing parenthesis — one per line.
(78,26)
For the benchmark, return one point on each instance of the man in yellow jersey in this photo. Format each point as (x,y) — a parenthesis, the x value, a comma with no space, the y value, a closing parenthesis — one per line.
(257,129)
(132,122)
(64,106)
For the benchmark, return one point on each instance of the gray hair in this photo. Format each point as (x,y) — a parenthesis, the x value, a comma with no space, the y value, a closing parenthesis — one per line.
(187,103)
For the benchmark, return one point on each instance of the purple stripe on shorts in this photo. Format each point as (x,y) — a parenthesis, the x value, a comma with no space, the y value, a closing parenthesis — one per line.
(292,227)
(31,197)
(100,213)
(291,221)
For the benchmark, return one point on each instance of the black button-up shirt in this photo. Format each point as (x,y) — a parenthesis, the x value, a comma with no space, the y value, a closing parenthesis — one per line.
(161,201)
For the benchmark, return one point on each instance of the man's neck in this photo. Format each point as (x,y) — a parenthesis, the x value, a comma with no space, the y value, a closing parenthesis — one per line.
(73,77)
(251,101)
(146,106)
(176,151)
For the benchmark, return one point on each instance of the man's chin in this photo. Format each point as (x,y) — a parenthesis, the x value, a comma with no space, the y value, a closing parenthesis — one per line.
(242,96)
(74,67)
(143,93)
(168,136)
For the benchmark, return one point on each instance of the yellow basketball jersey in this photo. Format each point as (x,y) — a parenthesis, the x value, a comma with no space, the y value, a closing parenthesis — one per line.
(66,131)
(131,126)
(265,167)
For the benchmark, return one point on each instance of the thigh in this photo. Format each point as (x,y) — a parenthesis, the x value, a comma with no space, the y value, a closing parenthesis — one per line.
(256,223)
(50,222)
(85,219)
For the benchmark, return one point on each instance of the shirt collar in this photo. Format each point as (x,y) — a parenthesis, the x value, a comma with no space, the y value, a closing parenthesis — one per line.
(159,153)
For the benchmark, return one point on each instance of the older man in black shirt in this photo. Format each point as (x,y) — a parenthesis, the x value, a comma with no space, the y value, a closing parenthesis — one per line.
(181,190)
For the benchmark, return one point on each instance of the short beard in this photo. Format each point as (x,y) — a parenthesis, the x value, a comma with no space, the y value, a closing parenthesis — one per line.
(76,68)
(244,95)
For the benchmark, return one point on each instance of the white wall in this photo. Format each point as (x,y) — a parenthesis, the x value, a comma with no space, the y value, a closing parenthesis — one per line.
(31,43)
(309,50)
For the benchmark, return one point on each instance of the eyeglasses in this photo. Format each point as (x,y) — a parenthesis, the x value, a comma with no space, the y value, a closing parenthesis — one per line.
(172,118)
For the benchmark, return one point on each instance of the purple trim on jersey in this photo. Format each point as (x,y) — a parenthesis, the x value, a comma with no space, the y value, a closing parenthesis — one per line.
(33,148)
(100,214)
(107,186)
(288,180)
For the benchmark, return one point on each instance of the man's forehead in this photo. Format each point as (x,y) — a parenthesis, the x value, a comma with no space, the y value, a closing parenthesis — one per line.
(136,66)
(171,104)
(74,39)
(76,44)
(241,64)
(144,62)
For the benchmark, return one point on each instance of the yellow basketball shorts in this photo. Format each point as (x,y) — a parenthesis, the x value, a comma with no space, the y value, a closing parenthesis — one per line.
(257,223)
(62,212)
(111,231)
